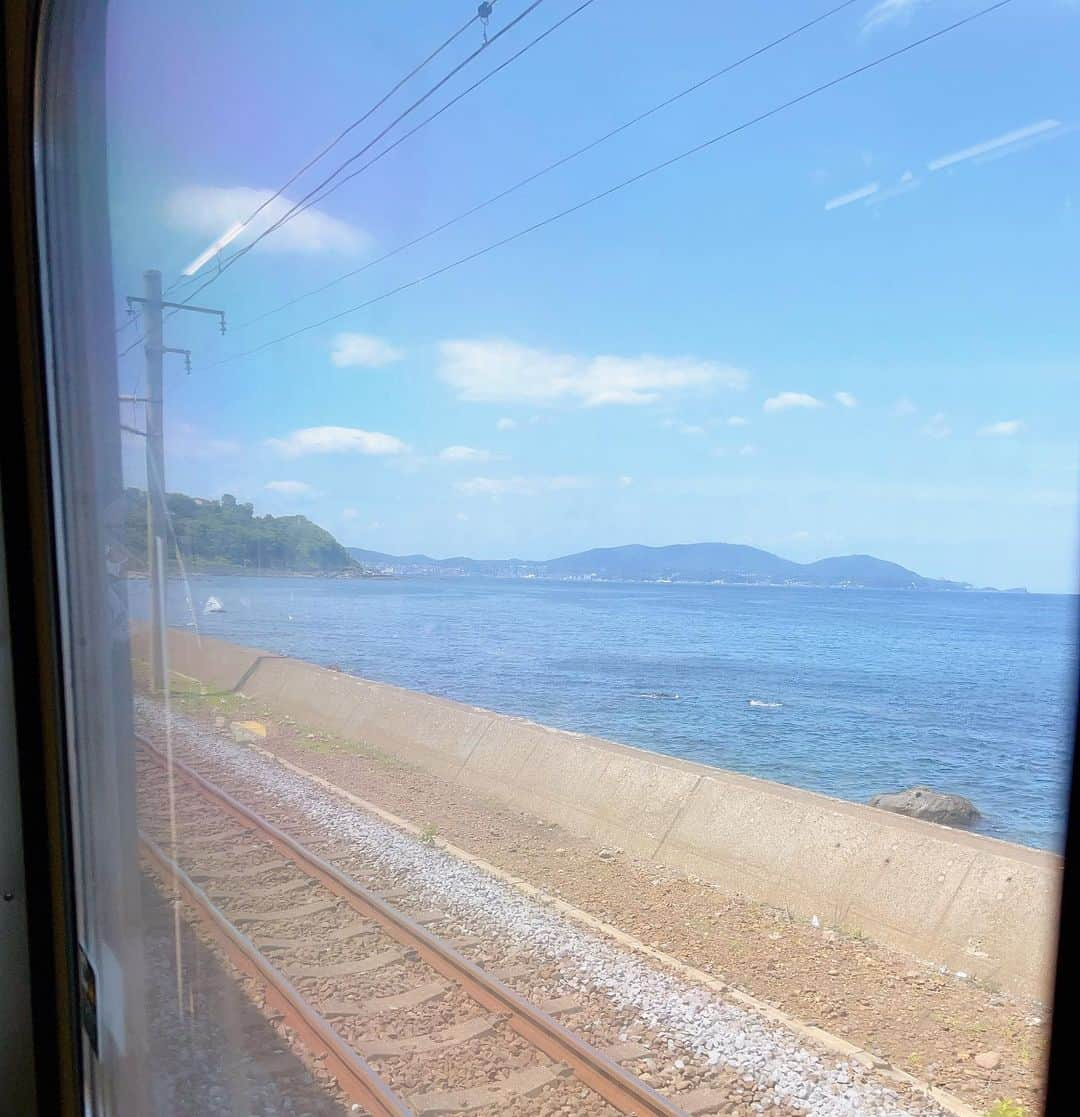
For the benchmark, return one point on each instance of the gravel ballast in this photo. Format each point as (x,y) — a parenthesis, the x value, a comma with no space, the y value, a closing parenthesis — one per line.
(695,1022)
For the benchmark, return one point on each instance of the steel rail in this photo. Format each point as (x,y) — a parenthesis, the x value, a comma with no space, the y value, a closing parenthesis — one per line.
(355,1077)
(592,1068)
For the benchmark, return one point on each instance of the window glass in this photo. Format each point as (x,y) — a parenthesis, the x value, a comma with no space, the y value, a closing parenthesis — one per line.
(589,501)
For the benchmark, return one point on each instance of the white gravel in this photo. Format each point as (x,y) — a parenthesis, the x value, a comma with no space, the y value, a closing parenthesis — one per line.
(691,1019)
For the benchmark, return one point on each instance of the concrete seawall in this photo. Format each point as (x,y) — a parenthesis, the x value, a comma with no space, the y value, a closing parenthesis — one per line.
(975,904)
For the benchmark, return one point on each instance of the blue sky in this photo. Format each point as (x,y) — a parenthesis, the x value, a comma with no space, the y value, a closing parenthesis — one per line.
(851,328)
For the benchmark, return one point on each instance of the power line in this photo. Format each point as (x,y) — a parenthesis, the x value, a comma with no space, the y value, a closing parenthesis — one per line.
(649,171)
(367,147)
(561,162)
(351,127)
(134,345)
(449,104)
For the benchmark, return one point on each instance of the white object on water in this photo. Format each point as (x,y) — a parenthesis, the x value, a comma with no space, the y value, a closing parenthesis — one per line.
(213,605)
(761,704)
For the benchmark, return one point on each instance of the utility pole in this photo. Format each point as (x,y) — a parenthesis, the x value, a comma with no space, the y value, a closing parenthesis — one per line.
(157,511)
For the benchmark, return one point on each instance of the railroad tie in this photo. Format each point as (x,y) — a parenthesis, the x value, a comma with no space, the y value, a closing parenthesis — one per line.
(626,1052)
(699,1102)
(203,840)
(283,914)
(464,941)
(429,1045)
(523,1084)
(395,1002)
(342,934)
(348,969)
(428,916)
(560,1006)
(228,873)
(511,973)
(269,892)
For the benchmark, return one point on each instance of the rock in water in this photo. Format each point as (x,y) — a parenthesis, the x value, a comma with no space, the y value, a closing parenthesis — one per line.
(929,805)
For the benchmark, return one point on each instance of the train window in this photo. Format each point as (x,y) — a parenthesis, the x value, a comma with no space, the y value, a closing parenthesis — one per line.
(565,535)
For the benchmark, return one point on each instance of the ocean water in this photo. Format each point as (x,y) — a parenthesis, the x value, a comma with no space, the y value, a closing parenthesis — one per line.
(843,692)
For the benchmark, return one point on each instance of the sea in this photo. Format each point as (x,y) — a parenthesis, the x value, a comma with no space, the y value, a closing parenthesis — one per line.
(845,692)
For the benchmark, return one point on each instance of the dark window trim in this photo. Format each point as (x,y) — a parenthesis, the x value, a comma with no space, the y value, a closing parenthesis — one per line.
(25,472)
(1061,1099)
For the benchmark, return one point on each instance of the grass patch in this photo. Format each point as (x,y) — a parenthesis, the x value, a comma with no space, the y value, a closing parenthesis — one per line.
(194,699)
(1006,1107)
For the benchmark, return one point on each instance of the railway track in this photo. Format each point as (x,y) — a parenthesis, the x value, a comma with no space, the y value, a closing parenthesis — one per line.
(328,951)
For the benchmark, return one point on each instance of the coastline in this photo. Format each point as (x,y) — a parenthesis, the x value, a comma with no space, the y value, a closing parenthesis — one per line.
(971,903)
(834,984)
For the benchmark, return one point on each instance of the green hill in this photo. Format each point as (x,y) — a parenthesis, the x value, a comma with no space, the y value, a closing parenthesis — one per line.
(224,534)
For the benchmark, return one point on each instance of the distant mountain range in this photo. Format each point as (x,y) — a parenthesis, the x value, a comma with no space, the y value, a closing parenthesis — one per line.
(726,563)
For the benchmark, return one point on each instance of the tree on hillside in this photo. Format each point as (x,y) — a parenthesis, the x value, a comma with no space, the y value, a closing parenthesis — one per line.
(227,533)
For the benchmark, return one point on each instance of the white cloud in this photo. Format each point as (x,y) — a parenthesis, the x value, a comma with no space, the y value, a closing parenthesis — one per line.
(461,516)
(855,196)
(336,440)
(213,211)
(845,399)
(503,371)
(1006,139)
(903,406)
(1005,429)
(350,513)
(506,425)
(363,351)
(886,11)
(738,421)
(905,185)
(518,486)
(626,481)
(936,426)
(289,488)
(785,401)
(683,428)
(465,454)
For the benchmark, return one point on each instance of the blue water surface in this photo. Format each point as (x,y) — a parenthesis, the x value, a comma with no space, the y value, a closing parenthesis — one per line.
(847,692)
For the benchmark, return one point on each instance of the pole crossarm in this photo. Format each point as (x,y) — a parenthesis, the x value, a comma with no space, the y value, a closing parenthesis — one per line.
(185,353)
(181,306)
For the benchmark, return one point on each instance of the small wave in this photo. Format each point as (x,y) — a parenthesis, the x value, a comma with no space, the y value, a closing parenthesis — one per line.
(660,695)
(761,704)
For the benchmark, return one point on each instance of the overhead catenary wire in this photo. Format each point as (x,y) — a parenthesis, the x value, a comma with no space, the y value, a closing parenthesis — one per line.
(555,165)
(327,148)
(242,252)
(449,104)
(775,110)
(134,345)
